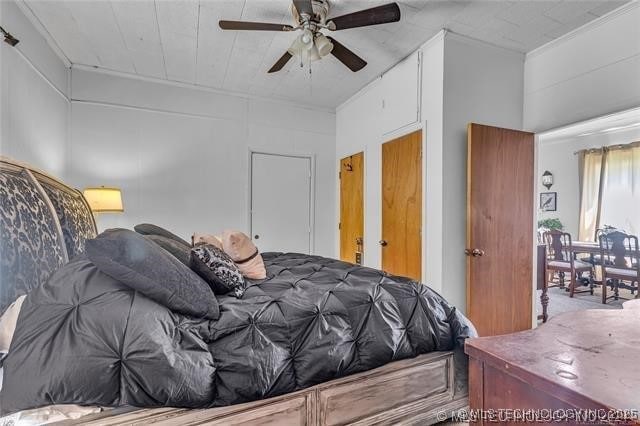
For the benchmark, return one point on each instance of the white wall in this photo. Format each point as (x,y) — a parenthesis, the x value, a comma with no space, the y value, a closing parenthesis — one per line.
(558,156)
(432,111)
(357,129)
(482,84)
(181,154)
(459,81)
(589,73)
(364,123)
(34,107)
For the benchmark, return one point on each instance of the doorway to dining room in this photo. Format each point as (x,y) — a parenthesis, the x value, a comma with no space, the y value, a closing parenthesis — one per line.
(588,199)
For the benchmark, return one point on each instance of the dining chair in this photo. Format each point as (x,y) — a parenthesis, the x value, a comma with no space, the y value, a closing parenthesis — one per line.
(620,263)
(561,259)
(540,234)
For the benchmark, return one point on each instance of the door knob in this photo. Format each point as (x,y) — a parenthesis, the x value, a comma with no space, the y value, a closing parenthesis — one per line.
(474,252)
(383,243)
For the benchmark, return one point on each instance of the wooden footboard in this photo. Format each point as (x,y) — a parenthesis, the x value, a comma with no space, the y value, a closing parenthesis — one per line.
(412,391)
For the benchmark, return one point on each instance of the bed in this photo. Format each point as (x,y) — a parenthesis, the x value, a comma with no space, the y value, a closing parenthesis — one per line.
(403,385)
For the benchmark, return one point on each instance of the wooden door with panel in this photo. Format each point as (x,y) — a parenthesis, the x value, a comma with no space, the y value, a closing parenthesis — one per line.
(352,208)
(500,209)
(402,206)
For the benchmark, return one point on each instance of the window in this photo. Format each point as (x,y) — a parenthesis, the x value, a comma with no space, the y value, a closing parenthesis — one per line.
(610,190)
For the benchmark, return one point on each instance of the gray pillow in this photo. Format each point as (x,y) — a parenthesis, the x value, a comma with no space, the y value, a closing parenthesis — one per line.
(218,269)
(177,250)
(147,268)
(150,229)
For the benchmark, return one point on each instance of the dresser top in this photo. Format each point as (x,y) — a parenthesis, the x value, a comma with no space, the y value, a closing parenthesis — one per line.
(584,357)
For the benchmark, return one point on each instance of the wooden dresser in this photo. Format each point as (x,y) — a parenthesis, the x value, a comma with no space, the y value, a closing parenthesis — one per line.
(578,360)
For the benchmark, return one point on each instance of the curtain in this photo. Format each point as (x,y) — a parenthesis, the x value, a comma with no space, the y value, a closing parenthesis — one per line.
(621,189)
(590,191)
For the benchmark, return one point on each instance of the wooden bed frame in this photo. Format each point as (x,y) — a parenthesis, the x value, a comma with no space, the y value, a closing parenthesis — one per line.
(410,391)
(418,391)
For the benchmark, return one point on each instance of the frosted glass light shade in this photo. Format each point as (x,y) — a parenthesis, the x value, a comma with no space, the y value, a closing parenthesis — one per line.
(104,199)
(323,44)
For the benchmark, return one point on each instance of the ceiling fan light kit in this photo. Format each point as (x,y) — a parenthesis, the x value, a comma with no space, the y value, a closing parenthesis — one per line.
(323,44)
(310,17)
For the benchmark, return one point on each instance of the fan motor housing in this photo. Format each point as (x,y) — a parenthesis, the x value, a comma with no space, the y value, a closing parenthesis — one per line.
(320,10)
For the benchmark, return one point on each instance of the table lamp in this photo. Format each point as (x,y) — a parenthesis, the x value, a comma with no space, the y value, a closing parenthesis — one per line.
(104,199)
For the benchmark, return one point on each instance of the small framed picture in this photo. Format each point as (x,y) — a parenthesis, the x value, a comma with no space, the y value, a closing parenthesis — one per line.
(548,201)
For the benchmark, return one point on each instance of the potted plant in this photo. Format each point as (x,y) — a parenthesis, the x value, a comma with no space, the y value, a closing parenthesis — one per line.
(549,224)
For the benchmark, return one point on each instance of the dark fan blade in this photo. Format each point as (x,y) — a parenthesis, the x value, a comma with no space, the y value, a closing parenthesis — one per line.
(281,62)
(303,6)
(351,60)
(253,26)
(374,16)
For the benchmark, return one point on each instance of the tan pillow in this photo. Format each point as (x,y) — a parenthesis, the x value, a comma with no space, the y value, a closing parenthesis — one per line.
(245,254)
(214,240)
(8,323)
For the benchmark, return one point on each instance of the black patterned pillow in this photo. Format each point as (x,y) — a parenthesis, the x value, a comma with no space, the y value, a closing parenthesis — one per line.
(217,268)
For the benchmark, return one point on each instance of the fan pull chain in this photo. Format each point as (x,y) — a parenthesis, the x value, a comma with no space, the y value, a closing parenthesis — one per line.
(310,79)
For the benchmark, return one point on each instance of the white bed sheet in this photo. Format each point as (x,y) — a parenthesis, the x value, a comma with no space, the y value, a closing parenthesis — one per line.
(49,414)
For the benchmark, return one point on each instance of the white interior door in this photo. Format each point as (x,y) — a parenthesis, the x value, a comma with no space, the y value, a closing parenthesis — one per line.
(281,203)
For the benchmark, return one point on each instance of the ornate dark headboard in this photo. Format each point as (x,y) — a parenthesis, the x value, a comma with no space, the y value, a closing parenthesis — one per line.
(43,224)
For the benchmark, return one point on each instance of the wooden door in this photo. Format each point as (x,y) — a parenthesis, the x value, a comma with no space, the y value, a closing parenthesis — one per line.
(402,206)
(500,174)
(281,202)
(352,208)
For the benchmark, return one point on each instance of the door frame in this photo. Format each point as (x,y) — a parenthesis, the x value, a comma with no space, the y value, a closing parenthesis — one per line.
(606,121)
(312,190)
(388,137)
(534,230)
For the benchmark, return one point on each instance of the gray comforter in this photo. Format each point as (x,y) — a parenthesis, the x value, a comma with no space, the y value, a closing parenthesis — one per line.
(85,338)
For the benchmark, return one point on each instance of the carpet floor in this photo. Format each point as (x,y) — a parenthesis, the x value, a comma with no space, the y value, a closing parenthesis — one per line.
(559,300)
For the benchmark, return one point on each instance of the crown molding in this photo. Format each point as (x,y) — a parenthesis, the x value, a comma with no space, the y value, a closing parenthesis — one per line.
(625,8)
(42,75)
(484,44)
(199,87)
(31,17)
(369,85)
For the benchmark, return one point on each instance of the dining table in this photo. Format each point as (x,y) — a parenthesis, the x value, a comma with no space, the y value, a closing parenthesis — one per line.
(591,248)
(588,247)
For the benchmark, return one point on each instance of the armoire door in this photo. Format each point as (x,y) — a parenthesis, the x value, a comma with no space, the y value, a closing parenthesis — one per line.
(281,202)
(402,206)
(500,208)
(352,208)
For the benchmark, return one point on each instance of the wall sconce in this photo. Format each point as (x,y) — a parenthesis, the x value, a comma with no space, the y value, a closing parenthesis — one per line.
(547,179)
(104,199)
(8,38)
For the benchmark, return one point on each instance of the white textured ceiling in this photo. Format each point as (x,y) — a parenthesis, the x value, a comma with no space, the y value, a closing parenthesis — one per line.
(180,40)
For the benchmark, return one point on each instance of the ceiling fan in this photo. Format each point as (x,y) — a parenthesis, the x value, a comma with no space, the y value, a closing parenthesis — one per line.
(310,17)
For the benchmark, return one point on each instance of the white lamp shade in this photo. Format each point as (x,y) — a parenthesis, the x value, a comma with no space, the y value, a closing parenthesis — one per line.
(311,54)
(104,199)
(324,45)
(306,38)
